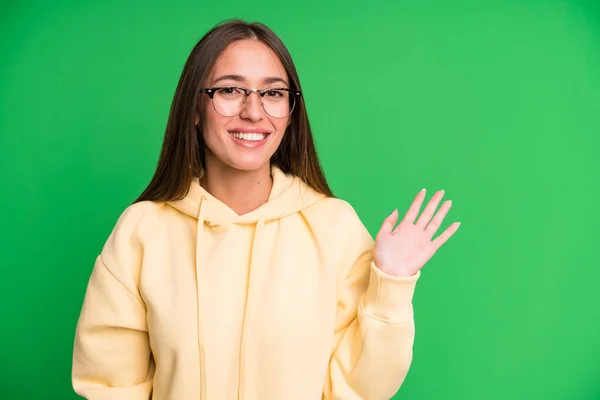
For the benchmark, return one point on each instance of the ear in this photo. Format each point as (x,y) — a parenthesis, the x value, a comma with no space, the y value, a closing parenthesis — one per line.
(196,120)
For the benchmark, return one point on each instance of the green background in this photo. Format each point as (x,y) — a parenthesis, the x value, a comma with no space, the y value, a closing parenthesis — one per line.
(497,102)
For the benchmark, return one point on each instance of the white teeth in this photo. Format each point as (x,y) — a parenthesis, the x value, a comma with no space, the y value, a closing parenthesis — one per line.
(253,137)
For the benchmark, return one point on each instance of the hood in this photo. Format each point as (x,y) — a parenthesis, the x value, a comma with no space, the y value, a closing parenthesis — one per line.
(288,196)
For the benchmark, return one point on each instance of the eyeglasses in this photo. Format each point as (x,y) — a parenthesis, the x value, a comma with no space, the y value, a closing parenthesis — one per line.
(230,101)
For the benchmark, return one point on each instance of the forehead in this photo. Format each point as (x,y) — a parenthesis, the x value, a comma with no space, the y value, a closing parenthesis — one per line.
(250,59)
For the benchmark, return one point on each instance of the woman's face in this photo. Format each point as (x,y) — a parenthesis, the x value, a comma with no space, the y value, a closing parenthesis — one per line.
(246,141)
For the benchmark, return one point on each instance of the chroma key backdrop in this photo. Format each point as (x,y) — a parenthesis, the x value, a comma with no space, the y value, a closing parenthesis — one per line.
(496,102)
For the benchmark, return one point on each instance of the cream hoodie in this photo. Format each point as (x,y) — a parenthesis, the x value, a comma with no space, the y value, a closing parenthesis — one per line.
(189,301)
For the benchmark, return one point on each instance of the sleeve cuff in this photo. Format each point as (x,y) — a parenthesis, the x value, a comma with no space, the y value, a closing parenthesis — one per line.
(389,298)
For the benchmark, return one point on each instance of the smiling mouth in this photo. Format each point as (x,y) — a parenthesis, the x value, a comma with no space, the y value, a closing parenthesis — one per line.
(251,137)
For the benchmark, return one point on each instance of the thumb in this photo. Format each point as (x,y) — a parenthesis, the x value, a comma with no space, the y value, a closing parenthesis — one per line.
(388,224)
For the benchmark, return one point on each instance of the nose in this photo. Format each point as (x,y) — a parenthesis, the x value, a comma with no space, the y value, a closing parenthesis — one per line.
(253,109)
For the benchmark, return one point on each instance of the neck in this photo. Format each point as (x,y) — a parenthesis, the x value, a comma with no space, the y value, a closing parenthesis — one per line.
(242,191)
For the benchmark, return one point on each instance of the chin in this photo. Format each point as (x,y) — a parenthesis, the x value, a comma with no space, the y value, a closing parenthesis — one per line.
(250,165)
(249,160)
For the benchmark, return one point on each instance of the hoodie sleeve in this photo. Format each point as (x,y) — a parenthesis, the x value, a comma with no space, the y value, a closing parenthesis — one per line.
(374,330)
(111,357)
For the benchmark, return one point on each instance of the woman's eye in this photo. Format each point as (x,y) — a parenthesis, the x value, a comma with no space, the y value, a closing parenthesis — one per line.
(229,91)
(274,93)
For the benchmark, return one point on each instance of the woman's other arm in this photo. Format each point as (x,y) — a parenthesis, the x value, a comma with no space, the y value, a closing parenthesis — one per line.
(111,357)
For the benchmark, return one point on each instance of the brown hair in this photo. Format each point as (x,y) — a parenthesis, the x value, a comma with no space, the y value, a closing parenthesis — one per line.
(182,155)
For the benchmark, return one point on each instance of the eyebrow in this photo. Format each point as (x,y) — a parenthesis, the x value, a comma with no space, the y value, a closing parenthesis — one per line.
(238,78)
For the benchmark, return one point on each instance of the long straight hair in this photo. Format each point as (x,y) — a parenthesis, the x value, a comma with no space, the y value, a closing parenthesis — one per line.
(182,155)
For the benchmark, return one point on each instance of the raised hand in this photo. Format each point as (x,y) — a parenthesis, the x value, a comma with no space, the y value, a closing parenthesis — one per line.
(404,250)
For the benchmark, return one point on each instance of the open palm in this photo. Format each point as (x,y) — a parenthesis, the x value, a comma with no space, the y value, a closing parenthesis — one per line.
(404,250)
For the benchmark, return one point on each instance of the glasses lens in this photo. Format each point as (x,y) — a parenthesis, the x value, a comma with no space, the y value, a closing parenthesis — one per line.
(278,103)
(228,101)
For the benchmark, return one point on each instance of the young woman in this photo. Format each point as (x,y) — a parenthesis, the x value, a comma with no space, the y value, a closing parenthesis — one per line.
(237,274)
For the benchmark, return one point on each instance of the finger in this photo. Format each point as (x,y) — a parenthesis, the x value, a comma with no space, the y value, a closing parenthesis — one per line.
(415,207)
(429,210)
(437,220)
(388,224)
(447,234)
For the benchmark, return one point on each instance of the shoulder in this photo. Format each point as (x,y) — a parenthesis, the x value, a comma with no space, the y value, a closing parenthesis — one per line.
(124,244)
(335,210)
(132,215)
(342,236)
(337,217)
(132,219)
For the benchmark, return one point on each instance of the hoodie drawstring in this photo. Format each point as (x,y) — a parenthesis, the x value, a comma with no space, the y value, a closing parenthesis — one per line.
(199,243)
(256,256)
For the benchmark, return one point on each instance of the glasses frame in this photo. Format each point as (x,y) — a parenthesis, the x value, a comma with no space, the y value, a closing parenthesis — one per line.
(211,93)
